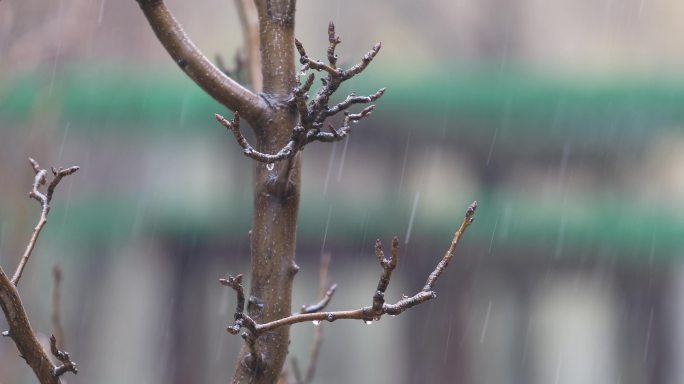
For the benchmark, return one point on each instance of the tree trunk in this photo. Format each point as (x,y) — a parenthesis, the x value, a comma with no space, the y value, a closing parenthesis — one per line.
(276,198)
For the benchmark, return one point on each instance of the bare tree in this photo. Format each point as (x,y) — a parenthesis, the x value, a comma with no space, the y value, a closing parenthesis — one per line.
(284,118)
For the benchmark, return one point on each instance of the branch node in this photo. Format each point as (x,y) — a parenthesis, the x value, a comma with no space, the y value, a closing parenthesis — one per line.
(63,357)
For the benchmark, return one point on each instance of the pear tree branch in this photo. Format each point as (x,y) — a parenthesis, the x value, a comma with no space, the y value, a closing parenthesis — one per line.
(379,307)
(20,330)
(314,113)
(197,66)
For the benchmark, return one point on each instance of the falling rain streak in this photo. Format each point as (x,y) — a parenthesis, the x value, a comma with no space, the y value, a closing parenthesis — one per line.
(413,216)
(485,325)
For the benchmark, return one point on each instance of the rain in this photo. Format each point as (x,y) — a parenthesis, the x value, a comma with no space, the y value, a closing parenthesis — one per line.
(564,120)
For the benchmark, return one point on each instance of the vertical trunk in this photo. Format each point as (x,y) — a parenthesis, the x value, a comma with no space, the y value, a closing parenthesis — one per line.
(276,198)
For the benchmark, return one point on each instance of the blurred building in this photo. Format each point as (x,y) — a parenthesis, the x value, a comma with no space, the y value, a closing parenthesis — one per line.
(564,119)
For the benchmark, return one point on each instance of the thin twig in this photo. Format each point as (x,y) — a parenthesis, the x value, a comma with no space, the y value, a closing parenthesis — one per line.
(63,357)
(379,307)
(318,330)
(20,329)
(314,113)
(324,292)
(249,21)
(44,200)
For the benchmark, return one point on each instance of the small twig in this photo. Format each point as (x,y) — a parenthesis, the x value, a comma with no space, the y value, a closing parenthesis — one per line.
(44,200)
(235,282)
(319,306)
(326,295)
(324,292)
(314,113)
(388,266)
(56,305)
(379,307)
(63,357)
(249,21)
(20,331)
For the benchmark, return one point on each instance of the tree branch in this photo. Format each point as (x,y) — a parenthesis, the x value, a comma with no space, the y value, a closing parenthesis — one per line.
(370,313)
(249,21)
(63,357)
(20,329)
(314,113)
(44,200)
(325,295)
(200,69)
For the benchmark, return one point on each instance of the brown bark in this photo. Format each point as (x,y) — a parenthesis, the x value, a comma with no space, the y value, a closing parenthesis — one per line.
(23,335)
(188,57)
(276,199)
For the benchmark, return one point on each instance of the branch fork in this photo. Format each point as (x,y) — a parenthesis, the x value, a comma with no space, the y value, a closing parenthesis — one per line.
(374,312)
(20,330)
(314,113)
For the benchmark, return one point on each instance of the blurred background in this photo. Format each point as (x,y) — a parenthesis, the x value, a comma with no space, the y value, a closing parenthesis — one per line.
(563,118)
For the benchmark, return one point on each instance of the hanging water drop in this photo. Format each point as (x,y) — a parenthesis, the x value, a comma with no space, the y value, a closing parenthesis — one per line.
(368,322)
(316,322)
(270,166)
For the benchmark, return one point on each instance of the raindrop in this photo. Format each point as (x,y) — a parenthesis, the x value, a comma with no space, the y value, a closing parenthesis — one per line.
(368,322)
(491,146)
(316,322)
(327,224)
(101,13)
(403,165)
(270,166)
(648,335)
(61,146)
(486,323)
(413,216)
(330,164)
(342,159)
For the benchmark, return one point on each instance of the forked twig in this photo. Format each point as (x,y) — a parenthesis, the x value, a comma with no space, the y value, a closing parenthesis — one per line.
(20,329)
(368,314)
(44,200)
(326,295)
(314,113)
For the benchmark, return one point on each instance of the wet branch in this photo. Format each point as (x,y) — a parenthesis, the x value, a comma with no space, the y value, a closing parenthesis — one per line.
(44,200)
(20,329)
(370,313)
(250,56)
(63,357)
(326,295)
(197,66)
(314,113)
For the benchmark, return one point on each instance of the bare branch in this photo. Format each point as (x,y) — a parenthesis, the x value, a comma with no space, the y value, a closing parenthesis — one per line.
(20,329)
(379,306)
(320,305)
(318,331)
(196,65)
(249,21)
(63,357)
(314,113)
(388,266)
(236,284)
(234,126)
(44,200)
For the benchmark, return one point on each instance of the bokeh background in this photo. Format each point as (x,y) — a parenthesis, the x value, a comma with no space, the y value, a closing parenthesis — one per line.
(563,118)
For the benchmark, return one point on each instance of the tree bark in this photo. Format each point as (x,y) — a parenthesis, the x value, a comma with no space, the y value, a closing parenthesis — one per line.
(276,198)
